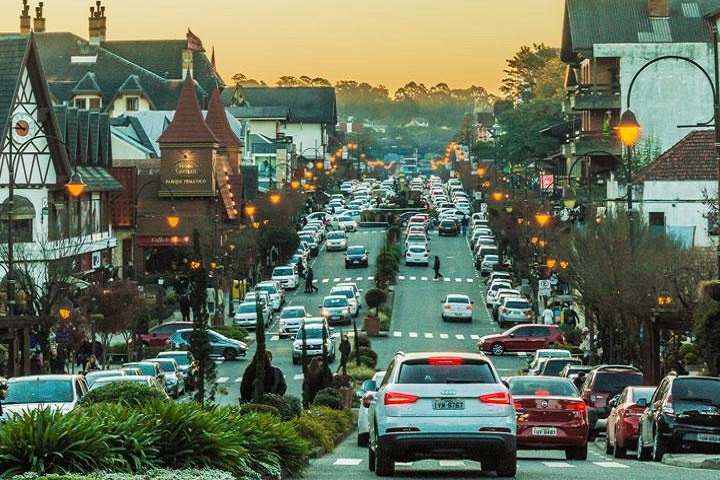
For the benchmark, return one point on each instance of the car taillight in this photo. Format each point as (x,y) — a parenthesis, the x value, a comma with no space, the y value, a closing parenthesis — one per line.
(496,398)
(577,406)
(518,406)
(445,361)
(367,399)
(527,312)
(447,307)
(396,398)
(469,307)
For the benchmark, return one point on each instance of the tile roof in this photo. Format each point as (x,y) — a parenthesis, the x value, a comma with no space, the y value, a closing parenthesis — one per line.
(260,113)
(693,158)
(590,22)
(306,104)
(13,50)
(188,125)
(216,119)
(87,84)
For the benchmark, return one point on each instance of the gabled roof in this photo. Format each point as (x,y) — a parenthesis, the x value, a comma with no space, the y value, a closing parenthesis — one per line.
(692,158)
(306,104)
(216,119)
(131,85)
(87,84)
(590,22)
(188,125)
(260,113)
(13,55)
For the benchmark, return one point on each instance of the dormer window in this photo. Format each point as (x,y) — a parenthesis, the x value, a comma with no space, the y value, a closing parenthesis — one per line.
(95,104)
(88,103)
(81,103)
(132,104)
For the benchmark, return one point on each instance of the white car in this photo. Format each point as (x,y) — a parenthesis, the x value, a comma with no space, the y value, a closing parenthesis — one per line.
(347,223)
(439,405)
(367,392)
(417,255)
(416,239)
(488,264)
(290,320)
(493,289)
(350,294)
(275,291)
(336,241)
(457,306)
(264,300)
(246,315)
(287,276)
(33,392)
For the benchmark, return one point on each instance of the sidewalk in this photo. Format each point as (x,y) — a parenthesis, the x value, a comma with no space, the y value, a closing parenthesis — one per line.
(692,460)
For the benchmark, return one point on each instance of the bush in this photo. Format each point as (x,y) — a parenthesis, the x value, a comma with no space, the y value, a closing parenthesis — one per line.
(572,334)
(153,474)
(123,393)
(364,341)
(328,397)
(236,333)
(375,297)
(384,322)
(366,353)
(706,327)
(250,408)
(339,421)
(288,407)
(360,373)
(313,429)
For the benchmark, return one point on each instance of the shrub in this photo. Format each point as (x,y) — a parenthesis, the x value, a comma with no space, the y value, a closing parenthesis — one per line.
(251,408)
(360,372)
(364,341)
(375,297)
(384,321)
(123,393)
(312,428)
(367,352)
(154,474)
(237,333)
(706,326)
(328,397)
(395,251)
(572,334)
(288,407)
(339,421)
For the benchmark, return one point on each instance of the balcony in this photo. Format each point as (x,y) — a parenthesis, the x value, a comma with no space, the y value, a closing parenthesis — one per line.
(595,143)
(595,97)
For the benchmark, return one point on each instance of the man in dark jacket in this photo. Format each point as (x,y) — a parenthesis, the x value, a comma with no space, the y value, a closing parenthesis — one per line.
(345,349)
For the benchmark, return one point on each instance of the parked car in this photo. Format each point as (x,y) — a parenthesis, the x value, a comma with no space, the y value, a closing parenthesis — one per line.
(274,291)
(553,366)
(336,241)
(367,395)
(550,415)
(151,369)
(423,408)
(336,309)
(417,255)
(457,306)
(286,276)
(601,384)
(488,264)
(188,366)
(522,338)
(312,334)
(448,227)
(174,378)
(267,306)
(311,242)
(356,256)
(622,423)
(682,415)
(246,316)
(33,392)
(158,334)
(493,289)
(220,345)
(141,379)
(290,319)
(95,375)
(545,353)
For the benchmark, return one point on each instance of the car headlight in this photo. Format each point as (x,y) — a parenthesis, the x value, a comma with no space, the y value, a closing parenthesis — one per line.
(297,345)
(345,311)
(325,313)
(171,380)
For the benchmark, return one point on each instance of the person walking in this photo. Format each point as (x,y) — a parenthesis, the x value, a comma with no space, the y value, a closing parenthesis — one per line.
(436,267)
(586,345)
(309,286)
(92,364)
(465,222)
(56,361)
(345,349)
(279,386)
(301,270)
(548,316)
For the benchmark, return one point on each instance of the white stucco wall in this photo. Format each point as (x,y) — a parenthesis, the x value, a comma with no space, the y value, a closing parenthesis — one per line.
(306,137)
(118,106)
(269,128)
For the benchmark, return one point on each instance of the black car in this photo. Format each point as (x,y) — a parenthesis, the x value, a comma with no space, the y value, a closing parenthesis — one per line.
(682,415)
(356,256)
(448,227)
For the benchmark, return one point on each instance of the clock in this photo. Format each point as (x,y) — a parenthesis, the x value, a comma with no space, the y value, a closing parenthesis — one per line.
(24,127)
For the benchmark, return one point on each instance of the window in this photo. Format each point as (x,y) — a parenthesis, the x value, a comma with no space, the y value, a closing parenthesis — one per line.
(132,104)
(95,104)
(657,219)
(81,103)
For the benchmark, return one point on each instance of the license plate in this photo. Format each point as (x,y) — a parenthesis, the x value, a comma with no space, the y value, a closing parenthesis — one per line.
(448,404)
(335,317)
(356,261)
(544,431)
(708,437)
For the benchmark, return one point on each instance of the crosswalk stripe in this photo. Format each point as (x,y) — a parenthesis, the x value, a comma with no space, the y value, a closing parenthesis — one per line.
(460,336)
(412,334)
(451,463)
(358,279)
(223,379)
(336,279)
(238,380)
(428,335)
(316,280)
(348,461)
(470,280)
(413,278)
(325,280)
(446,279)
(275,338)
(424,279)
(475,337)
(298,376)
(458,280)
(443,335)
(557,464)
(610,465)
(347,279)
(400,277)
(371,277)
(397,334)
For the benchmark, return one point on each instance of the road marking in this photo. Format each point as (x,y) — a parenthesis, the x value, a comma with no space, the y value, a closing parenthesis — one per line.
(348,461)
(238,380)
(401,277)
(336,279)
(446,279)
(358,279)
(557,464)
(470,280)
(424,279)
(347,279)
(371,277)
(298,376)
(451,463)
(316,280)
(443,335)
(428,335)
(460,336)
(413,278)
(223,379)
(475,337)
(458,280)
(325,280)
(274,338)
(397,334)
(412,334)
(610,465)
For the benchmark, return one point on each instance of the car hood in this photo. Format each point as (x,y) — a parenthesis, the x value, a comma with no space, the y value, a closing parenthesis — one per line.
(494,336)
(20,408)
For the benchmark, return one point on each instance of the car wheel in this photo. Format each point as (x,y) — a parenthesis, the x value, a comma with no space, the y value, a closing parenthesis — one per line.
(659,448)
(295,361)
(230,354)
(371,458)
(576,453)
(384,464)
(507,465)
(497,348)
(643,452)
(362,439)
(618,451)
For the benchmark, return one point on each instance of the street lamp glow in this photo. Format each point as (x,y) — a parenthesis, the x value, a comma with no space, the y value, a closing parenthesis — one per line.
(275,198)
(542,218)
(551,262)
(173,220)
(508,207)
(481,171)
(628,129)
(75,186)
(250,210)
(497,195)
(295,184)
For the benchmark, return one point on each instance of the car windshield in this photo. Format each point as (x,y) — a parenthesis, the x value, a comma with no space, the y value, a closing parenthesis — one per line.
(607,382)
(283,272)
(345,219)
(106,381)
(345,292)
(145,368)
(647,392)
(517,304)
(335,302)
(447,223)
(542,387)
(165,365)
(93,377)
(39,391)
(246,308)
(356,250)
(424,371)
(336,235)
(292,313)
(267,288)
(491,258)
(181,357)
(311,333)
(416,238)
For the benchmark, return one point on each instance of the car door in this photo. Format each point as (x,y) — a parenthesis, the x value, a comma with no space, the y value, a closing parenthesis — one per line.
(654,407)
(538,337)
(519,339)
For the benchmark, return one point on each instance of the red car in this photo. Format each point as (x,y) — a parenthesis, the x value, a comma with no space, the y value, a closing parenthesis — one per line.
(157,335)
(522,338)
(622,423)
(550,415)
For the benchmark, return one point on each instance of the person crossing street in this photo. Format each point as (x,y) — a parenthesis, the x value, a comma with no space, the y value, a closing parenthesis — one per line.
(436,267)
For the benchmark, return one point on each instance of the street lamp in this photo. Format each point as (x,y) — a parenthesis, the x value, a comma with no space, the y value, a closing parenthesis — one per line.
(75,186)
(275,198)
(250,210)
(542,218)
(173,220)
(628,131)
(497,195)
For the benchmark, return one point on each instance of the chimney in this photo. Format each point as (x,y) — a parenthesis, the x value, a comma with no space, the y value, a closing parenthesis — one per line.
(39,20)
(97,24)
(658,8)
(25,19)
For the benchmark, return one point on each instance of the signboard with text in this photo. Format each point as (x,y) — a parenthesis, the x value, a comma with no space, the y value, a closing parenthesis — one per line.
(544,287)
(187,172)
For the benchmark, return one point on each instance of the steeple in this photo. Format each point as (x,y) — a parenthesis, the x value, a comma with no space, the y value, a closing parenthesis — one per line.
(217,120)
(188,125)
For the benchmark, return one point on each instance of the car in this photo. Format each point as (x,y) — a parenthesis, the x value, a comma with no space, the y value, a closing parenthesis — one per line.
(157,335)
(576,373)
(311,242)
(355,289)
(290,320)
(367,395)
(94,375)
(174,378)
(349,293)
(493,289)
(482,252)
(514,310)
(416,239)
(438,405)
(336,241)
(286,276)
(622,422)
(149,368)
(498,275)
(296,259)
(545,353)
(448,227)
(356,256)
(553,366)
(336,309)
(522,338)
(457,306)
(220,345)
(488,264)
(550,415)
(188,366)
(317,216)
(417,255)
(312,334)
(346,187)
(34,392)
(683,415)
(347,223)
(141,379)
(601,384)
(246,316)
(274,291)
(498,298)
(251,297)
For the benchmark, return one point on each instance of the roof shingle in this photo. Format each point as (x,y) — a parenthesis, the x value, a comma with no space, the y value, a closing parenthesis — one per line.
(217,120)
(692,158)
(188,125)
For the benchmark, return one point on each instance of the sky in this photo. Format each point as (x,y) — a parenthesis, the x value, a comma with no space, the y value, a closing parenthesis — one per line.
(389,42)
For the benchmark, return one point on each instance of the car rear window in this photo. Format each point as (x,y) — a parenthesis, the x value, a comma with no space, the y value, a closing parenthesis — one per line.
(696,390)
(458,300)
(517,304)
(542,387)
(355,250)
(614,382)
(469,371)
(448,223)
(283,271)
(554,366)
(417,249)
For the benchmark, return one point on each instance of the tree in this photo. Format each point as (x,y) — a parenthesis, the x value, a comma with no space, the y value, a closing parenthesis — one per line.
(374,298)
(706,327)
(121,307)
(532,73)
(521,141)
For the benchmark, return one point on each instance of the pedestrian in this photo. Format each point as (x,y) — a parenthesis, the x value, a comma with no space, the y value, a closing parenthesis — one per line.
(586,345)
(56,361)
(436,267)
(36,365)
(185,307)
(278,387)
(548,316)
(301,270)
(92,364)
(309,286)
(271,383)
(345,349)
(465,222)
(570,317)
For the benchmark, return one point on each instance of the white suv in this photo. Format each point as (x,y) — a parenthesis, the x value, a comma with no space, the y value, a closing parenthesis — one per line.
(441,405)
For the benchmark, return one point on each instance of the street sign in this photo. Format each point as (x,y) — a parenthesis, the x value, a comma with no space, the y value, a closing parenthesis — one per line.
(553,279)
(544,287)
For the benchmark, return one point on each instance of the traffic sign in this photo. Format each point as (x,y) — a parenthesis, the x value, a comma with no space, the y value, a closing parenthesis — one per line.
(553,279)
(544,287)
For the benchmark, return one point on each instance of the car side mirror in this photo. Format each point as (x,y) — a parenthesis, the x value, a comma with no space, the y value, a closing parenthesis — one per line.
(613,401)
(319,305)
(369,385)
(642,402)
(512,335)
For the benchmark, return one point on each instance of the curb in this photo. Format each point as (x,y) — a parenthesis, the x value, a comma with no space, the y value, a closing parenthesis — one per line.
(692,460)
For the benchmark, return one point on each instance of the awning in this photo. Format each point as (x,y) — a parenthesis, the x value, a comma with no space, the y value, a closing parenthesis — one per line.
(98,179)
(22,209)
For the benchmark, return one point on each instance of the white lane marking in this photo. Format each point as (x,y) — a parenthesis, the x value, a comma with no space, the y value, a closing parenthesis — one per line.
(458,280)
(413,278)
(446,279)
(397,334)
(347,279)
(460,336)
(470,280)
(348,461)
(238,380)
(401,277)
(475,337)
(443,335)
(371,277)
(316,280)
(428,335)
(412,334)
(274,338)
(325,280)
(451,463)
(424,279)
(403,464)
(298,376)
(358,279)
(610,465)
(557,464)
(223,379)
(336,279)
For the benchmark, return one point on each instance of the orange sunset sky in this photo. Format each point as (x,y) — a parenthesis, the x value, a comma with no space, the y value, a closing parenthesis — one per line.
(390,42)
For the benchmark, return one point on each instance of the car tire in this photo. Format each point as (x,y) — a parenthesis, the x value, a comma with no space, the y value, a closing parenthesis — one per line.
(659,448)
(384,464)
(230,354)
(497,348)
(618,451)
(362,439)
(443,318)
(577,453)
(371,458)
(643,452)
(507,465)
(295,361)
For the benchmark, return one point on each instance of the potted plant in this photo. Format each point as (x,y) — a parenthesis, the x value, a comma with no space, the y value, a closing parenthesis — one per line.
(343,383)
(374,298)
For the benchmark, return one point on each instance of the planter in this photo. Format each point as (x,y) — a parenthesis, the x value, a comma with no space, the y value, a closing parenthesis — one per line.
(372,326)
(346,397)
